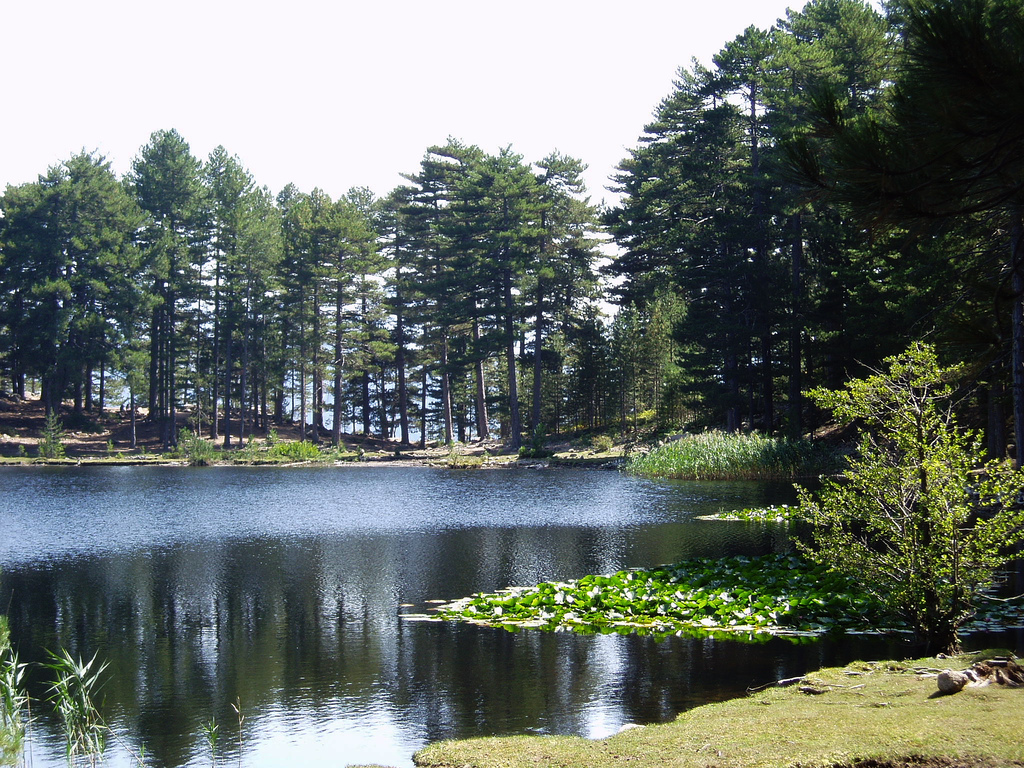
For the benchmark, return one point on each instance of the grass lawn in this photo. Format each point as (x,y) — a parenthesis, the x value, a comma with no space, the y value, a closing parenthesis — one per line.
(885,713)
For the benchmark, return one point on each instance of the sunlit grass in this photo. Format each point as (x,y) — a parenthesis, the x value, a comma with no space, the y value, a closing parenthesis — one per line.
(724,456)
(886,712)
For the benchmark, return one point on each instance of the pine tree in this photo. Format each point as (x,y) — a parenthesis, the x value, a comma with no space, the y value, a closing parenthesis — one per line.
(166,180)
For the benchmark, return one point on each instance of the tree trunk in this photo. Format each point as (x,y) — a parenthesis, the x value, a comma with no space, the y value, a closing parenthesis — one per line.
(538,362)
(367,405)
(796,405)
(446,390)
(403,387)
(228,362)
(423,411)
(1017,285)
(515,424)
(87,386)
(996,432)
(482,420)
(302,404)
(339,303)
(154,356)
(131,403)
(171,438)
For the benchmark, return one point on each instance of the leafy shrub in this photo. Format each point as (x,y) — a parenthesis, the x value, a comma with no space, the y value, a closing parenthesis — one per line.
(536,448)
(601,443)
(919,518)
(198,451)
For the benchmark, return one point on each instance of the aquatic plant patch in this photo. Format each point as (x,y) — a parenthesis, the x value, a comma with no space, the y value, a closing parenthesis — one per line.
(781,514)
(753,598)
(725,456)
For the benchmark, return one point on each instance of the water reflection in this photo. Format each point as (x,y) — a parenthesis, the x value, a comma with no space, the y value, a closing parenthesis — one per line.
(280,590)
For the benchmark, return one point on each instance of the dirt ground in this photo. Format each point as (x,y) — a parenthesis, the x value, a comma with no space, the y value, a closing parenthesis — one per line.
(92,433)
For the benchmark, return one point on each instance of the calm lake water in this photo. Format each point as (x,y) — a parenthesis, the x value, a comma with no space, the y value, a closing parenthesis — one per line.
(280,591)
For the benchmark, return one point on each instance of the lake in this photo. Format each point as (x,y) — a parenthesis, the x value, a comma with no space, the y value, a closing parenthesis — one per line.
(279,592)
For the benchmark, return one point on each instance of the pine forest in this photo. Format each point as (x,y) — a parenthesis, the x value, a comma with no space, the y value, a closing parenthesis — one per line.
(814,199)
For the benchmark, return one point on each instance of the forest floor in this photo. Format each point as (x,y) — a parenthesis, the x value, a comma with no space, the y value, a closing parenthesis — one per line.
(95,436)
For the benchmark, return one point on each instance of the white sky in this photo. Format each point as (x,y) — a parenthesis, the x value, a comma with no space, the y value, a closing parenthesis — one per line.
(336,94)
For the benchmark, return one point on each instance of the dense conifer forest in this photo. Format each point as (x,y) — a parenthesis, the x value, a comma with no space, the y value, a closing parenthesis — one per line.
(815,198)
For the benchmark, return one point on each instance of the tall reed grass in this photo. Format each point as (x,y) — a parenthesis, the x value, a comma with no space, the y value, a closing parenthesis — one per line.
(73,695)
(726,456)
(13,700)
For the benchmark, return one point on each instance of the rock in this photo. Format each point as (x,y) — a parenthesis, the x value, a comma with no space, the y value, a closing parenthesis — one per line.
(812,690)
(951,681)
(630,727)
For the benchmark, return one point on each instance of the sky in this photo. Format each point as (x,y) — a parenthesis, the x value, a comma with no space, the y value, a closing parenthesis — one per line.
(338,94)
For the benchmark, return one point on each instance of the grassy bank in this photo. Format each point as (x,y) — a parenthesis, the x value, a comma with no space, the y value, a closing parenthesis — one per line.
(725,456)
(889,713)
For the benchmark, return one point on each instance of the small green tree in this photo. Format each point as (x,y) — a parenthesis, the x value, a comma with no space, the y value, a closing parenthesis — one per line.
(51,445)
(918,518)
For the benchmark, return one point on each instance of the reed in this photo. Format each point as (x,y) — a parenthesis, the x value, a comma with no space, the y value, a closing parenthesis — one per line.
(73,696)
(13,700)
(726,456)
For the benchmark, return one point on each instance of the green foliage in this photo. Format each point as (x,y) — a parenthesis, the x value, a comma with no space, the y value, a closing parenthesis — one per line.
(211,732)
(770,514)
(73,695)
(13,699)
(302,450)
(725,456)
(755,597)
(197,450)
(51,445)
(456,459)
(601,443)
(536,448)
(918,518)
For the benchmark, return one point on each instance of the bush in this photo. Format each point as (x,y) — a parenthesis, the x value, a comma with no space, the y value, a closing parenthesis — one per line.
(302,450)
(601,443)
(536,448)
(919,519)
(198,451)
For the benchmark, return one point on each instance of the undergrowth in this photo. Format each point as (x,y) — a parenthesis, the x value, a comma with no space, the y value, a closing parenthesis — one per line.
(726,456)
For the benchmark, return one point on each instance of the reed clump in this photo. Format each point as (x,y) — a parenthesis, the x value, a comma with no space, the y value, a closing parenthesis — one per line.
(13,700)
(718,455)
